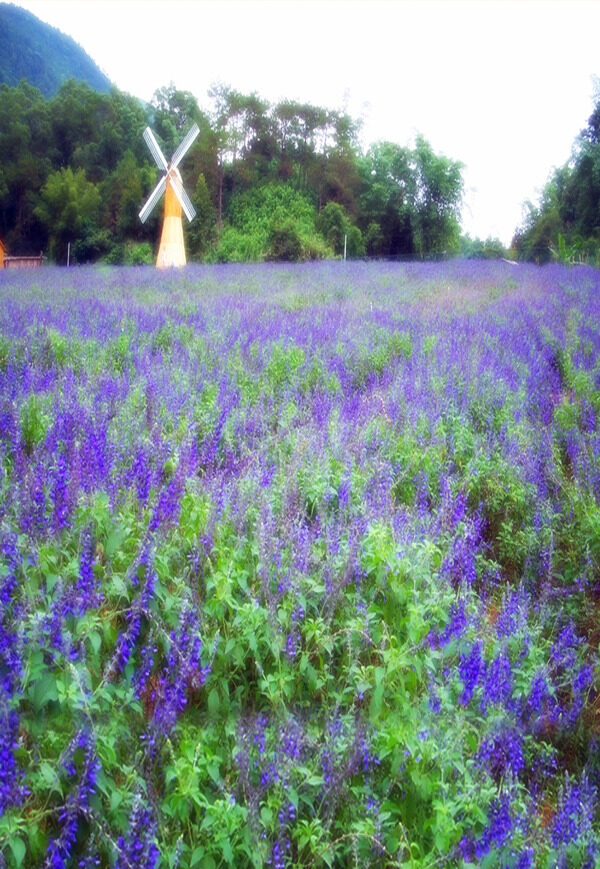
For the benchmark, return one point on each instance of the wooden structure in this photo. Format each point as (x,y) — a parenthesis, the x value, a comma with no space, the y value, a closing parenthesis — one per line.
(171,251)
(23,262)
(18,262)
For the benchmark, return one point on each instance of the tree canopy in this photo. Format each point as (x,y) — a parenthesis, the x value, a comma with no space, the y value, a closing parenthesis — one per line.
(284,181)
(565,224)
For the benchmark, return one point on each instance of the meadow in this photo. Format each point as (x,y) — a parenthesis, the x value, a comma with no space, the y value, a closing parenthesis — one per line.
(300,566)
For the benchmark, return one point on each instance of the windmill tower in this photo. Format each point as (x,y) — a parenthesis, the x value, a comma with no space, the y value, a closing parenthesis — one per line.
(171,251)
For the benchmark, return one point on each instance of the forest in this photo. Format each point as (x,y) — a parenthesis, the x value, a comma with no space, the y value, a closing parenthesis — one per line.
(284,182)
(565,224)
(269,182)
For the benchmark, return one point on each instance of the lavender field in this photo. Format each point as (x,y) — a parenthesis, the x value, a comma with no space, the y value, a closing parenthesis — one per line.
(300,566)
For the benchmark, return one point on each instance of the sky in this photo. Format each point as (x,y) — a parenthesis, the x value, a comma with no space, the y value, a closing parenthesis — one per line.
(503,86)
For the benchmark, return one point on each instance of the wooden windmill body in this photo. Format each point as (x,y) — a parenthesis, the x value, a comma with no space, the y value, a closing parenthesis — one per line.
(171,250)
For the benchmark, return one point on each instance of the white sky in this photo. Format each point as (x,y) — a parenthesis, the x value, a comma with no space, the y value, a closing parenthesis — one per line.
(504,86)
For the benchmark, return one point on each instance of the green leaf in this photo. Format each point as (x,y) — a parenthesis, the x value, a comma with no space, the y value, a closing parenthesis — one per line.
(115,539)
(213,771)
(117,586)
(49,775)
(213,702)
(197,856)
(44,691)
(17,846)
(376,701)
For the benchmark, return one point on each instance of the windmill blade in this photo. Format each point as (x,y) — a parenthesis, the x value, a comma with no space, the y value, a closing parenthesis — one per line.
(183,147)
(154,149)
(153,199)
(184,200)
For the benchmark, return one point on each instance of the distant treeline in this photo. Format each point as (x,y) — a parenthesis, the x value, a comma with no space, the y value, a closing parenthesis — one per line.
(286,181)
(281,182)
(565,224)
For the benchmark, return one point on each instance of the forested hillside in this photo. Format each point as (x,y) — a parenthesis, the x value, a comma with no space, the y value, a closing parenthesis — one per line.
(41,54)
(282,182)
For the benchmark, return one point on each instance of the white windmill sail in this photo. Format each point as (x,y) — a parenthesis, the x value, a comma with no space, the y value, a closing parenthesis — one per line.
(153,199)
(186,143)
(154,149)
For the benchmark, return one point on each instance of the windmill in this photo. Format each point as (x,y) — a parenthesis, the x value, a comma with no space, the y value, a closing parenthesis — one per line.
(171,251)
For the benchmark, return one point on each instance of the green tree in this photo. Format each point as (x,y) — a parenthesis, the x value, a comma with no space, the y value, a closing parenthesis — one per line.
(373,239)
(438,200)
(122,198)
(476,248)
(387,199)
(565,223)
(540,229)
(200,233)
(334,225)
(26,154)
(69,210)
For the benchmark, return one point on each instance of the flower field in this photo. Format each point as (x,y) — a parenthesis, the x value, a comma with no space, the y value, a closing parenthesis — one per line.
(300,566)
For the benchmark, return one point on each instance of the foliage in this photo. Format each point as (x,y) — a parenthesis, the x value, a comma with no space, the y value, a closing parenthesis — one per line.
(269,222)
(564,226)
(476,248)
(411,200)
(336,229)
(391,201)
(299,565)
(69,203)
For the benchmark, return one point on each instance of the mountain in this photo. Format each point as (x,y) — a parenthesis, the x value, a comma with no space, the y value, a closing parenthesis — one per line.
(43,55)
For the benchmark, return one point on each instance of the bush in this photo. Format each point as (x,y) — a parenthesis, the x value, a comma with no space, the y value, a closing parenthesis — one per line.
(285,244)
(140,254)
(273,222)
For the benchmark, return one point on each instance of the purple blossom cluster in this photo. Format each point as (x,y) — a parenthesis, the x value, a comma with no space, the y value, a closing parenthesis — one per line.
(76,805)
(138,847)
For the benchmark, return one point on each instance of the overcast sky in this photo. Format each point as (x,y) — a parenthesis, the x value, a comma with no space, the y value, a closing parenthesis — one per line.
(504,86)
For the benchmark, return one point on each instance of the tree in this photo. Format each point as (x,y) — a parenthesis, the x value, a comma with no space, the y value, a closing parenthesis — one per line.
(392,200)
(439,196)
(387,199)
(227,135)
(122,197)
(339,233)
(200,233)
(476,248)
(69,209)
(285,244)
(565,224)
(26,154)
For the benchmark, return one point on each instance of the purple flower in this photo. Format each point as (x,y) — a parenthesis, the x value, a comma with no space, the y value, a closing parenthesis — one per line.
(77,801)
(502,751)
(85,583)
(471,669)
(498,684)
(138,847)
(573,821)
